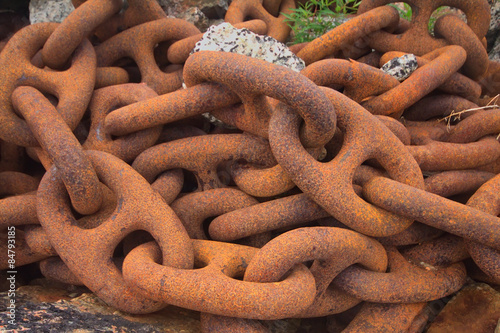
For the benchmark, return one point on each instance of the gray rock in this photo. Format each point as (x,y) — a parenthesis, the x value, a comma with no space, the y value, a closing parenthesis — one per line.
(202,13)
(495,51)
(493,35)
(401,67)
(49,10)
(224,37)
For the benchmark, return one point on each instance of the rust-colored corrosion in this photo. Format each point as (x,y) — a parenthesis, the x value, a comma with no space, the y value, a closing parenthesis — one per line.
(138,43)
(346,34)
(404,283)
(487,258)
(137,12)
(65,39)
(434,210)
(72,87)
(107,99)
(477,13)
(424,80)
(253,79)
(213,288)
(87,252)
(347,207)
(277,28)
(210,203)
(202,155)
(63,148)
(253,192)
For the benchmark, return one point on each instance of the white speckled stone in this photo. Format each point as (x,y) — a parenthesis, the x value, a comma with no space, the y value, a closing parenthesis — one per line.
(49,10)
(401,67)
(224,37)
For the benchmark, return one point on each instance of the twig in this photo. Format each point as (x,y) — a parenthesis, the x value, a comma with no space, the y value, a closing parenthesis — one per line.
(454,116)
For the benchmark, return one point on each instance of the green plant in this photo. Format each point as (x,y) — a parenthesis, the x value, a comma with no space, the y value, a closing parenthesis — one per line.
(315,17)
(440,11)
(405,12)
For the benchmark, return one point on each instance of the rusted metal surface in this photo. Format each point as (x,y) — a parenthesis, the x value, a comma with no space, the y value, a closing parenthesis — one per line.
(139,42)
(477,13)
(346,34)
(210,203)
(277,28)
(80,77)
(404,283)
(376,317)
(136,12)
(424,80)
(213,288)
(65,39)
(62,147)
(345,205)
(106,99)
(93,266)
(255,192)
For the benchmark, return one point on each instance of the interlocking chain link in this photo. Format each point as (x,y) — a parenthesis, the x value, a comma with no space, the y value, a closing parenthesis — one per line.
(255,192)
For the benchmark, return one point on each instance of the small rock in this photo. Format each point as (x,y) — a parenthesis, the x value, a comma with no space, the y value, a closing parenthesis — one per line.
(202,13)
(195,16)
(49,10)
(401,67)
(224,37)
(494,30)
(495,51)
(475,308)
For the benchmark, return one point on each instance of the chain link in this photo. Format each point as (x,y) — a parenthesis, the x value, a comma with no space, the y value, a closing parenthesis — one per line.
(324,189)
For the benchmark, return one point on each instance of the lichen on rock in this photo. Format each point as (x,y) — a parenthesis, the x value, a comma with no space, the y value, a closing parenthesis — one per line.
(49,10)
(224,37)
(401,67)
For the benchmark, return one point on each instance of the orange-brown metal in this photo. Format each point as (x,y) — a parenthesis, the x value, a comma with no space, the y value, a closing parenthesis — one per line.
(88,252)
(293,166)
(404,283)
(346,34)
(213,288)
(334,179)
(65,39)
(277,27)
(72,87)
(139,42)
(64,150)
(477,13)
(103,102)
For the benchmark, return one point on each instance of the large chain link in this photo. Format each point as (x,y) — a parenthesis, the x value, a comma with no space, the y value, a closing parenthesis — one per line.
(323,189)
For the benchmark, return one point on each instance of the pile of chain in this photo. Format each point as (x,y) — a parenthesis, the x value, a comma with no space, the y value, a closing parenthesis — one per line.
(332,187)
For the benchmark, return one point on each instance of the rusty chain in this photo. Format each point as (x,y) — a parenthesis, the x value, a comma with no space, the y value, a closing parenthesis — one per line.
(329,187)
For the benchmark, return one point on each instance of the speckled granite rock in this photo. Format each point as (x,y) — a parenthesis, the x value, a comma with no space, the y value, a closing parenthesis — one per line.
(224,37)
(49,10)
(401,67)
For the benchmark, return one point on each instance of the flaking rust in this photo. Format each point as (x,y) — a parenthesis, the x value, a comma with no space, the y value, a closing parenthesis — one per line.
(331,185)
